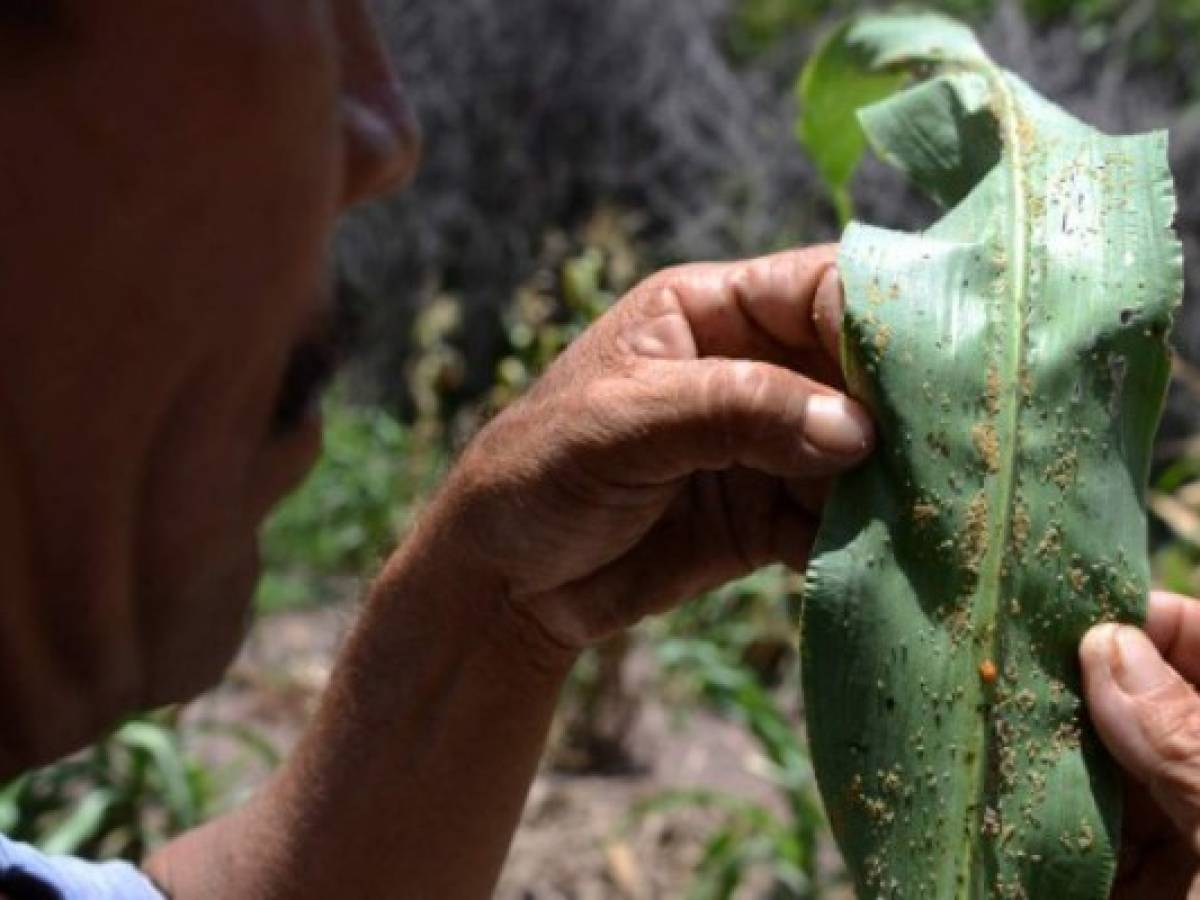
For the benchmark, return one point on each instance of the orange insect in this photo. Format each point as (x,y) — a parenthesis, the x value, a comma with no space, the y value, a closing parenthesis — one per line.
(987,671)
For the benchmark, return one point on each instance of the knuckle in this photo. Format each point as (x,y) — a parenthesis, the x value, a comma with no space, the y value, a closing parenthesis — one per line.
(716,406)
(772,275)
(659,295)
(752,386)
(745,282)
(665,291)
(738,394)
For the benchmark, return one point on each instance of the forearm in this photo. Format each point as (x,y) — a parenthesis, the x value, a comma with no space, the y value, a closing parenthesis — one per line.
(660,456)
(412,778)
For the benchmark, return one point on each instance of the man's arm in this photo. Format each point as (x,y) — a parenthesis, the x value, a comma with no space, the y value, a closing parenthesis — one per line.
(411,781)
(677,444)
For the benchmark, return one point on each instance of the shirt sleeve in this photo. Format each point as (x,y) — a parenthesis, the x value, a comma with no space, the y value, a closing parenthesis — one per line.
(28,874)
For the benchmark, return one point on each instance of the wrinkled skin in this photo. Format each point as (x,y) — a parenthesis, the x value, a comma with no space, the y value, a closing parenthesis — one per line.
(1141,692)
(644,468)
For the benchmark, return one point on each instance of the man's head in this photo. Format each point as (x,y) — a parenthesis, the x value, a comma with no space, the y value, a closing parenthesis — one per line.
(169,176)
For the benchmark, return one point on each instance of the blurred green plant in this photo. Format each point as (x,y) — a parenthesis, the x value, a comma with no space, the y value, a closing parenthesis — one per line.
(1176,563)
(750,839)
(1146,32)
(831,91)
(1175,501)
(751,621)
(577,279)
(121,798)
(348,514)
(758,24)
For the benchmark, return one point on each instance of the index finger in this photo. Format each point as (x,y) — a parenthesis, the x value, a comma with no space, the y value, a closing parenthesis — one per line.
(1173,625)
(766,308)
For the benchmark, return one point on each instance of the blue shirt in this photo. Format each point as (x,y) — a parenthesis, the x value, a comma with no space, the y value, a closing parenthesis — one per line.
(28,874)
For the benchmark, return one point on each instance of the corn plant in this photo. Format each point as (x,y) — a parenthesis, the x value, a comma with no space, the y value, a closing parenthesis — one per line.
(120,798)
(133,790)
(1014,356)
(350,511)
(748,838)
(751,621)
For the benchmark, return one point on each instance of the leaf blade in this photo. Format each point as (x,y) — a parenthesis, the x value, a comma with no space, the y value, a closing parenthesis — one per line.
(1005,351)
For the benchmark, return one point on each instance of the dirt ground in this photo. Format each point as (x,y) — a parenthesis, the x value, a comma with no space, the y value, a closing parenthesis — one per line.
(571,844)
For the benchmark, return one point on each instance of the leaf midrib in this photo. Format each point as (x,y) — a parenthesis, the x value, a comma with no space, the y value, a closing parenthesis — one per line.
(988,592)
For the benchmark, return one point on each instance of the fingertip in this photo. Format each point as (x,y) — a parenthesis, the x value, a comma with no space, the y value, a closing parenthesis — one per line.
(836,425)
(1096,650)
(1139,667)
(1141,709)
(1111,711)
(1098,639)
(1109,707)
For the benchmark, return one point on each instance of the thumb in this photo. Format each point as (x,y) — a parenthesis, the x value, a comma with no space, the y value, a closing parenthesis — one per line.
(1149,718)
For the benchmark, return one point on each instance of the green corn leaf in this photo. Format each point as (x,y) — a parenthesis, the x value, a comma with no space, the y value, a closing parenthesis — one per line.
(1015,358)
(161,748)
(84,824)
(838,81)
(10,804)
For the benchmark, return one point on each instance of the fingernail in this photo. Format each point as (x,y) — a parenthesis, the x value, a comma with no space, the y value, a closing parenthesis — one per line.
(836,426)
(1137,666)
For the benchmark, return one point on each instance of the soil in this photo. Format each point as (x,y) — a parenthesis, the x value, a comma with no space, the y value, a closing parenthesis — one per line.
(574,841)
